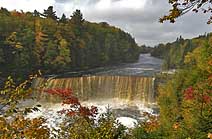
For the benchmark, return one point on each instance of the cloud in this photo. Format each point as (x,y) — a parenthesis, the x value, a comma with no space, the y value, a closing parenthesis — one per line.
(78,1)
(63,1)
(120,4)
(143,23)
(26,5)
(138,17)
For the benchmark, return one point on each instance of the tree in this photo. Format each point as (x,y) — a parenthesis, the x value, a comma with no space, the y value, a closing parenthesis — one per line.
(181,7)
(15,51)
(4,11)
(63,59)
(36,13)
(13,42)
(77,18)
(63,19)
(50,13)
(18,126)
(50,54)
(40,43)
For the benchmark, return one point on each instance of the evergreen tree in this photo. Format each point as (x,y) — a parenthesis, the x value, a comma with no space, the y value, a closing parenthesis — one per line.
(4,11)
(50,13)
(36,13)
(63,19)
(77,18)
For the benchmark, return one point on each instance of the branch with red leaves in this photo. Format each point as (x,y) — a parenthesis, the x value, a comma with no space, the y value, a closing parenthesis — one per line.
(75,109)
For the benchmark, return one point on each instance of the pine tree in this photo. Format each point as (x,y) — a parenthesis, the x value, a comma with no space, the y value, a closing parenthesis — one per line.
(77,18)
(50,13)
(36,13)
(63,19)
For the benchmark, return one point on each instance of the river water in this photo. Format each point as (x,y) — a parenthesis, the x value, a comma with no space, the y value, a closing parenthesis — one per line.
(145,66)
(128,89)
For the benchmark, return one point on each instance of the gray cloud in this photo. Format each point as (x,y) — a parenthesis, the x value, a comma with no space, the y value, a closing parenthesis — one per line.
(142,22)
(89,2)
(63,1)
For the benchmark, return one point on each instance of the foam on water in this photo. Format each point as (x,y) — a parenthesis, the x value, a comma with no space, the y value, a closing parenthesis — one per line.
(49,111)
(127,121)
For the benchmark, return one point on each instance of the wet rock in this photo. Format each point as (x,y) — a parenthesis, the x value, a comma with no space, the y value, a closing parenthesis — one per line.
(132,112)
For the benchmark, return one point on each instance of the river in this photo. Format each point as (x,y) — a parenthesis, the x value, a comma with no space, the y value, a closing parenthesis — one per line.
(128,89)
(146,65)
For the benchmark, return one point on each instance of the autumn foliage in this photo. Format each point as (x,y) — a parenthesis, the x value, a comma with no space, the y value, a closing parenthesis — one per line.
(189,93)
(75,106)
(13,123)
(181,7)
(185,101)
(21,127)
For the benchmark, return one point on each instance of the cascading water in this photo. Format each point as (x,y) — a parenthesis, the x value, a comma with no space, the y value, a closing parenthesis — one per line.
(102,87)
(128,89)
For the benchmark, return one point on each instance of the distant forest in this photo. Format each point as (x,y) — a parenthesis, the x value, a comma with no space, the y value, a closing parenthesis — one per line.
(174,53)
(31,41)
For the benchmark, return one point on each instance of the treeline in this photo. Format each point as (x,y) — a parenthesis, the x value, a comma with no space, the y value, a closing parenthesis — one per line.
(31,41)
(174,53)
(143,49)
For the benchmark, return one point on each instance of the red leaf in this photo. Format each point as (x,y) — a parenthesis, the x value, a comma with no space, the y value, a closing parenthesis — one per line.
(71,100)
(189,93)
(206,99)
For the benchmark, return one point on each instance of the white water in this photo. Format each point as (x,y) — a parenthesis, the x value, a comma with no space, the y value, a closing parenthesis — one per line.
(49,111)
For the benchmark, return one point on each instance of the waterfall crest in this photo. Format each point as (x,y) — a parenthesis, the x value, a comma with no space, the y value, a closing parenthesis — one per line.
(103,87)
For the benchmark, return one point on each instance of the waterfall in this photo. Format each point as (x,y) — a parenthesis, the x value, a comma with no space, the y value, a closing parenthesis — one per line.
(101,87)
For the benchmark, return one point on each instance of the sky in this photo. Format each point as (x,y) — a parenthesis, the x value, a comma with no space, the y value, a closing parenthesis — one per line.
(137,17)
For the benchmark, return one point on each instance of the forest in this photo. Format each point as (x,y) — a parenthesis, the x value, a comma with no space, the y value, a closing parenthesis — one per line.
(185,98)
(174,53)
(32,41)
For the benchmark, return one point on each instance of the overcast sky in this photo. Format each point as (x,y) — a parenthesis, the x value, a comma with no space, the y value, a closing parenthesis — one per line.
(138,17)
